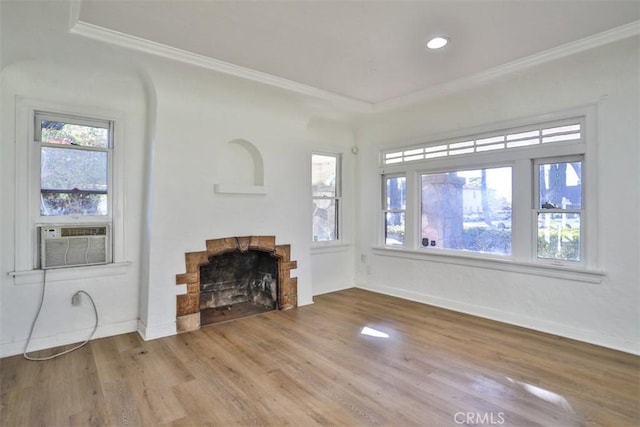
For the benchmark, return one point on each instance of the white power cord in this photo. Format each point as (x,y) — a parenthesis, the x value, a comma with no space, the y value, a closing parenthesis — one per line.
(74,300)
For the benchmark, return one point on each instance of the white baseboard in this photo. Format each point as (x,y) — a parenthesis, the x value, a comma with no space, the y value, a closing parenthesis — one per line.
(64,338)
(305,302)
(334,289)
(591,337)
(156,331)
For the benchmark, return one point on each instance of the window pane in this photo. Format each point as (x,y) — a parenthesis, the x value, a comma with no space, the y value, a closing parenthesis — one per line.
(54,132)
(394,228)
(73,182)
(468,210)
(396,194)
(69,169)
(560,185)
(323,175)
(325,219)
(73,203)
(559,236)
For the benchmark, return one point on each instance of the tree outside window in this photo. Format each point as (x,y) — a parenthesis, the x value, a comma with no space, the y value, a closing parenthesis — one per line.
(559,210)
(325,189)
(467,210)
(74,165)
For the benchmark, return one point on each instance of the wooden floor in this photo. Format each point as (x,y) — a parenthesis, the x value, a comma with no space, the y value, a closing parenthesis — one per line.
(315,365)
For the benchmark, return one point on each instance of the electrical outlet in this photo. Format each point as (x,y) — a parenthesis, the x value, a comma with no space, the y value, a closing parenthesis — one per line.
(363,258)
(75,299)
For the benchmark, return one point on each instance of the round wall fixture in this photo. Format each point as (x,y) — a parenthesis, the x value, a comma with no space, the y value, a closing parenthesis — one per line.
(437,42)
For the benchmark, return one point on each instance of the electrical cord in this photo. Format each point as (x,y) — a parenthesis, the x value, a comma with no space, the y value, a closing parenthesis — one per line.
(66,252)
(35,319)
(86,251)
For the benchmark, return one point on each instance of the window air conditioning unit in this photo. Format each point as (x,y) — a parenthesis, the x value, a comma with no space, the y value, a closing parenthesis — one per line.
(73,246)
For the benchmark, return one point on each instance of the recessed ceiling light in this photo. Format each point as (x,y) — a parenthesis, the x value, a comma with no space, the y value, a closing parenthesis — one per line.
(437,42)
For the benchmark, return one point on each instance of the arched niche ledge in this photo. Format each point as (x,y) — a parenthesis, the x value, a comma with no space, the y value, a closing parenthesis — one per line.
(255,187)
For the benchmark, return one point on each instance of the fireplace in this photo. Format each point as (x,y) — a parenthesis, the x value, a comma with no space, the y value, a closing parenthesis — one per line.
(235,277)
(236,284)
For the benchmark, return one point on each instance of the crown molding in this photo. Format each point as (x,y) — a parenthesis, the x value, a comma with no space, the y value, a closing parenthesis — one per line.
(619,33)
(117,38)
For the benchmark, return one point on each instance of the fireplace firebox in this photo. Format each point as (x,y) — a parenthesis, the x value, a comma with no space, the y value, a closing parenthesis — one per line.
(235,277)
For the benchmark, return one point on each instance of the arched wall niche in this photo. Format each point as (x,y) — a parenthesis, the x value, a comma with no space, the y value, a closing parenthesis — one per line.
(243,169)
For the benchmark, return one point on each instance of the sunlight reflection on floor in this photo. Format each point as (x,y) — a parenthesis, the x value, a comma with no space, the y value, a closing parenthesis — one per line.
(373,332)
(546,395)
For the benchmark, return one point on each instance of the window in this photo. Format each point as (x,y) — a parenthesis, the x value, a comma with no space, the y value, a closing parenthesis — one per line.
(559,209)
(467,210)
(74,166)
(394,207)
(503,140)
(516,194)
(72,161)
(69,174)
(325,194)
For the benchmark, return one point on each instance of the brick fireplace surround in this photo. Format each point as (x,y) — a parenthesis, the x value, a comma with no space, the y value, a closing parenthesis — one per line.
(188,305)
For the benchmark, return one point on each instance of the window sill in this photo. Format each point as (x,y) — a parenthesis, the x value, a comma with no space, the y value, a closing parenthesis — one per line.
(29,277)
(239,189)
(329,247)
(567,273)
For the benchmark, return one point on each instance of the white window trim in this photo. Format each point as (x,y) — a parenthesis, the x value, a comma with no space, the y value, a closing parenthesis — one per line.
(408,213)
(329,247)
(584,255)
(486,262)
(522,259)
(463,168)
(338,244)
(446,148)
(36,160)
(27,183)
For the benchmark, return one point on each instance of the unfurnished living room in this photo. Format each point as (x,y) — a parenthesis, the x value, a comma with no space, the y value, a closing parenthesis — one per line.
(348,213)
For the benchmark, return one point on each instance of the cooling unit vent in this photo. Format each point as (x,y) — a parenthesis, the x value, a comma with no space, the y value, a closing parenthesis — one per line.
(73,246)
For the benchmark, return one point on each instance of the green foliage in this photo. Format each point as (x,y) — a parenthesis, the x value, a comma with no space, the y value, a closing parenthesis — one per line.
(396,232)
(487,240)
(53,204)
(65,133)
(66,168)
(73,169)
(568,247)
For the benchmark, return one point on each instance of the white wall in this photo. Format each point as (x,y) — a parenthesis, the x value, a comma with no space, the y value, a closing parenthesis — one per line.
(606,313)
(178,123)
(332,263)
(83,89)
(198,114)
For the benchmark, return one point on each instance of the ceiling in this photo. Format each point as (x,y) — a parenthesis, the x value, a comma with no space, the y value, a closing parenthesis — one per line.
(366,51)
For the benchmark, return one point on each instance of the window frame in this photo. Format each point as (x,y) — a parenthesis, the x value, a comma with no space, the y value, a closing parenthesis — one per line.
(37,161)
(523,257)
(537,209)
(27,189)
(385,211)
(337,199)
(463,252)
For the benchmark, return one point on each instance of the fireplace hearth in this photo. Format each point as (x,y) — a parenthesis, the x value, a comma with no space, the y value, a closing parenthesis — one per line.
(235,277)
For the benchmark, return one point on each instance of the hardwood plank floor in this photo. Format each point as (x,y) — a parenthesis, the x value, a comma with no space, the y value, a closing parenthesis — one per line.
(316,366)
